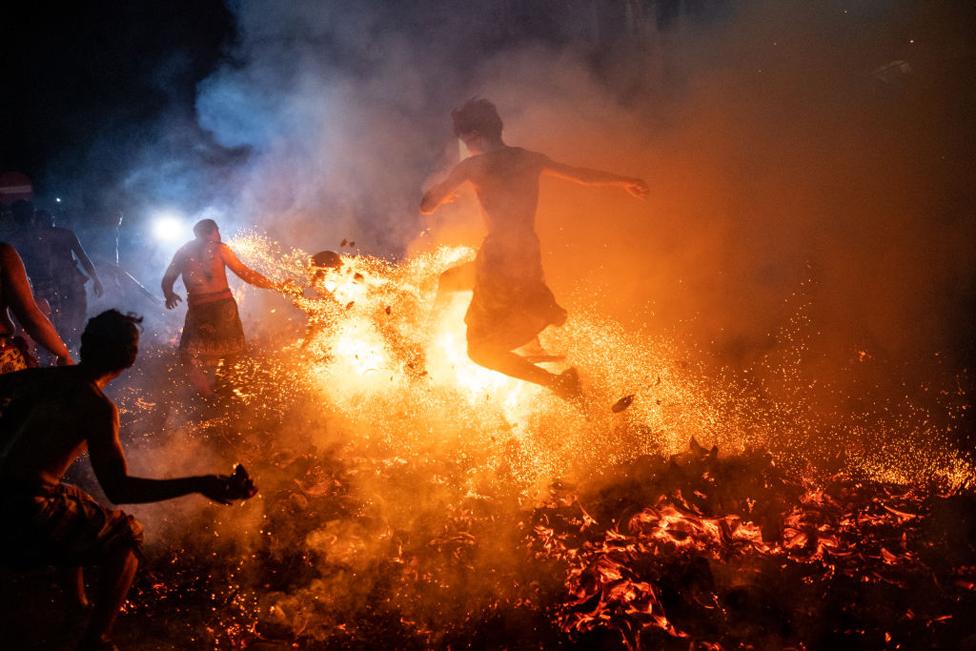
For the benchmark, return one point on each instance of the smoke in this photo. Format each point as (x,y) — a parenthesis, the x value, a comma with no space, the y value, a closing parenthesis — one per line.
(791,149)
(809,195)
(808,226)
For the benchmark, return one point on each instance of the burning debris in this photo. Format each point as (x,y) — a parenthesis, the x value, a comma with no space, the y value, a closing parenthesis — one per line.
(413,498)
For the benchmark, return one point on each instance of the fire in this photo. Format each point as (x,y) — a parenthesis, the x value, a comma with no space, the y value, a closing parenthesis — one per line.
(424,493)
(384,349)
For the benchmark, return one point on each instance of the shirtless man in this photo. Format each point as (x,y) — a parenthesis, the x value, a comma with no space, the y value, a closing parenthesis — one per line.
(212,330)
(50,416)
(16,297)
(511,303)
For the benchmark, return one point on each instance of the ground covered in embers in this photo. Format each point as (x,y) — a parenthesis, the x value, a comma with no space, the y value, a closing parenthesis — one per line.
(695,549)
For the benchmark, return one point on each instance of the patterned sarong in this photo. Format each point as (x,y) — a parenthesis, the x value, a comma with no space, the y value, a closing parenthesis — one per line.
(60,524)
(212,329)
(511,303)
(14,355)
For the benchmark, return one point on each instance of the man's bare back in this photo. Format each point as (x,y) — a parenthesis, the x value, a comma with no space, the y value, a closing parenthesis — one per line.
(507,184)
(51,431)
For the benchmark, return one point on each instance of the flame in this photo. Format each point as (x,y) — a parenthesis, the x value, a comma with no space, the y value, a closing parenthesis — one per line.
(393,370)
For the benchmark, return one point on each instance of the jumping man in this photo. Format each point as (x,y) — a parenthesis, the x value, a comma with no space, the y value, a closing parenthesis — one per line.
(511,303)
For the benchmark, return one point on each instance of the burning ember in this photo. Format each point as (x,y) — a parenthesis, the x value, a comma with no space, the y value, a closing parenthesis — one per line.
(410,498)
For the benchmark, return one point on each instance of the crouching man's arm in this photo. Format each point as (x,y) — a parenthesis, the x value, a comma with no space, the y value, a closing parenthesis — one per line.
(108,461)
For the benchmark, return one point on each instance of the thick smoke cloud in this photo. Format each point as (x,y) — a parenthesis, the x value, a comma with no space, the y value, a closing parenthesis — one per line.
(792,149)
(808,189)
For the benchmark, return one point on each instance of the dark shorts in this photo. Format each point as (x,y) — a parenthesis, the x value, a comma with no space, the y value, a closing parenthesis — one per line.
(511,302)
(212,329)
(60,524)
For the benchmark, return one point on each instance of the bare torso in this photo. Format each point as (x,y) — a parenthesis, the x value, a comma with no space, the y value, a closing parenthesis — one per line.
(46,424)
(202,267)
(507,183)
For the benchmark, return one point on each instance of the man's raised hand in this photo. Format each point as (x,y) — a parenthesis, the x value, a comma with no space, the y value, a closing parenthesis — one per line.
(637,187)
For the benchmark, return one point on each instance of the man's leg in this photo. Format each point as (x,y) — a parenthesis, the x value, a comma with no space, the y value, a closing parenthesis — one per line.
(117,574)
(456,279)
(197,375)
(74,586)
(565,385)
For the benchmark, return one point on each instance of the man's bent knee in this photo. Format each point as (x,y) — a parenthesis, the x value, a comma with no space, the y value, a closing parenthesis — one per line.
(483,354)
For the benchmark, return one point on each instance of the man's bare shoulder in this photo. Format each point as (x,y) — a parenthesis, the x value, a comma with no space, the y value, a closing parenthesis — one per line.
(62,383)
(529,156)
(7,252)
(184,252)
(89,399)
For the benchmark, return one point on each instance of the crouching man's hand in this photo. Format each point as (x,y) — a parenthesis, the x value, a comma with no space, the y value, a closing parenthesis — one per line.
(226,489)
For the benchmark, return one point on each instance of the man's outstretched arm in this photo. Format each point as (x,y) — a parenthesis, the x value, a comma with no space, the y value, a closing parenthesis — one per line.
(16,290)
(586,176)
(109,463)
(244,272)
(443,192)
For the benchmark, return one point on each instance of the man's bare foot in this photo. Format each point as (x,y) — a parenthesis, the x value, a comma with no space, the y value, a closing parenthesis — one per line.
(567,385)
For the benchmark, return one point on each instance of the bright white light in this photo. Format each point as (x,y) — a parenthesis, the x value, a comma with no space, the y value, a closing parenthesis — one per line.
(169,227)
(57,199)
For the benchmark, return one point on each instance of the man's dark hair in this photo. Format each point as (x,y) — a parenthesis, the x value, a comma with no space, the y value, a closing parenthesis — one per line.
(479,115)
(110,341)
(204,227)
(22,212)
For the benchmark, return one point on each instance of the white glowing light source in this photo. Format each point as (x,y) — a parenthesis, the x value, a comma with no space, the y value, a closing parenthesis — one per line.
(169,227)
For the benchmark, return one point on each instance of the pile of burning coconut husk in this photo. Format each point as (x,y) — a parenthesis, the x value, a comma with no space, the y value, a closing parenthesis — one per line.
(693,551)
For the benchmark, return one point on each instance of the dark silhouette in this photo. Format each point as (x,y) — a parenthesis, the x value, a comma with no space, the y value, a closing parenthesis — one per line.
(52,256)
(50,417)
(512,303)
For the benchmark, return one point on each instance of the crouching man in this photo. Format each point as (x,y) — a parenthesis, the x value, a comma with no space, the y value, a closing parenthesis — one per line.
(50,416)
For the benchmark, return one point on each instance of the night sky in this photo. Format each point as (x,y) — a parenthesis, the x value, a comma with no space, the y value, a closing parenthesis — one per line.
(75,71)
